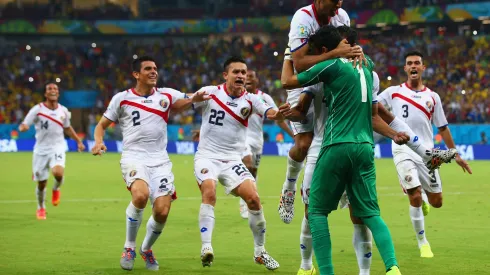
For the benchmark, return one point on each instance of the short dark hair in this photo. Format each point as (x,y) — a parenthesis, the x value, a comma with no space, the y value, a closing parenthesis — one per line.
(136,65)
(327,36)
(233,59)
(348,33)
(414,53)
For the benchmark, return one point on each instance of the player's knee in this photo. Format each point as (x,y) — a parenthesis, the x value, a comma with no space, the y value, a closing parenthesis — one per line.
(42,184)
(208,192)
(58,172)
(140,196)
(252,200)
(160,215)
(303,146)
(415,196)
(436,202)
(306,211)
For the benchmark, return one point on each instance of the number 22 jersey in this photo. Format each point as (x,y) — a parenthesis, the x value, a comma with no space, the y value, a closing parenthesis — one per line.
(225,121)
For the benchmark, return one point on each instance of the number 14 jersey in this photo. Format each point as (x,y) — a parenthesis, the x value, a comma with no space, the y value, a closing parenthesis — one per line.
(225,121)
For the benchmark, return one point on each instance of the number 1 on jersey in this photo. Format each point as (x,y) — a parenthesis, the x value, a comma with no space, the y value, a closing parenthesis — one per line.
(363,84)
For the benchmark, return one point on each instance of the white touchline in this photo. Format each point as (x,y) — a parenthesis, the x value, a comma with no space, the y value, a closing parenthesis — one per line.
(380,195)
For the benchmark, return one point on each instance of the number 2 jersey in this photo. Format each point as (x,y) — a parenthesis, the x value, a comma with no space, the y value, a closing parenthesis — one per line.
(419,109)
(225,120)
(143,122)
(50,125)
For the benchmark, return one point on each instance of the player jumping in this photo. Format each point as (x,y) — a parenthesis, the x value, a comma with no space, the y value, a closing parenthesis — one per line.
(143,113)
(255,133)
(52,122)
(218,158)
(419,107)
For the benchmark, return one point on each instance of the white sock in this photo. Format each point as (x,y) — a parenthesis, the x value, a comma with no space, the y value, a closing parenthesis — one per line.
(424,196)
(57,184)
(306,245)
(133,222)
(363,244)
(41,195)
(206,223)
(294,168)
(417,217)
(257,223)
(414,143)
(153,231)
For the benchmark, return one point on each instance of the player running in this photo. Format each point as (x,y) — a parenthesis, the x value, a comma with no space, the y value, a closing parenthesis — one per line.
(52,123)
(305,22)
(218,158)
(419,107)
(143,113)
(346,159)
(255,133)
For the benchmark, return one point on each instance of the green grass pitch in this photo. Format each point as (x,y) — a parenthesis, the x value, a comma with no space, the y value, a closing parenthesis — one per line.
(85,233)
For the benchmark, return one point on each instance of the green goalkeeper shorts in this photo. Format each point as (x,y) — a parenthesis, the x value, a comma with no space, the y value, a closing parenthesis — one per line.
(345,167)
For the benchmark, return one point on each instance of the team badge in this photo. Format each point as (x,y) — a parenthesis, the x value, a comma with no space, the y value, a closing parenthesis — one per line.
(302,30)
(408,178)
(204,170)
(62,117)
(245,111)
(429,105)
(164,104)
(132,173)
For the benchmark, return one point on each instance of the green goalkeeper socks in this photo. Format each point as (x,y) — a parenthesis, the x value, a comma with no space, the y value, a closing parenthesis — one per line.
(321,242)
(382,238)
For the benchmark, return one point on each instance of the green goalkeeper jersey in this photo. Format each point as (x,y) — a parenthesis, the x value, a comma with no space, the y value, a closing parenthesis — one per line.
(348,91)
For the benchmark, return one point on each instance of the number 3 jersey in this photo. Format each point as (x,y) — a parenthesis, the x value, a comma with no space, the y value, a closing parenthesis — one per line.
(50,125)
(143,122)
(419,109)
(225,121)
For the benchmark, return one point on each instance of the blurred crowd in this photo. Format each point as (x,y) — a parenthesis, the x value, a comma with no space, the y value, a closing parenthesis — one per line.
(457,69)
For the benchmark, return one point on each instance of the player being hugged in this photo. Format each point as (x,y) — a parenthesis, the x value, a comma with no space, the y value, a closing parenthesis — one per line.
(52,122)
(143,114)
(222,141)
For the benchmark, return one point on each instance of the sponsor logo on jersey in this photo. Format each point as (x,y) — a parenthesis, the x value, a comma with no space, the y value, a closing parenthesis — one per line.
(132,173)
(164,104)
(245,111)
(416,96)
(232,104)
(147,101)
(204,170)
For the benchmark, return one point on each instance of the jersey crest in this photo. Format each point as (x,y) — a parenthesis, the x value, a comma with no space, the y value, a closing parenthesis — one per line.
(245,111)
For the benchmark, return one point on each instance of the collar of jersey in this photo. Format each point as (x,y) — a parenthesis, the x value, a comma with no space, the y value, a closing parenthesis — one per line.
(232,97)
(135,93)
(408,86)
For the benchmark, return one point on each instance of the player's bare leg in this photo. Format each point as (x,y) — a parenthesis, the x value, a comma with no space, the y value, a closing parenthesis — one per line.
(362,241)
(248,192)
(154,228)
(41,196)
(134,214)
(297,155)
(306,247)
(248,161)
(58,172)
(417,217)
(206,220)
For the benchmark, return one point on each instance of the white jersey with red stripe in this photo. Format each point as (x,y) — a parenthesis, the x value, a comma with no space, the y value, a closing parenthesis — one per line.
(143,122)
(419,109)
(255,131)
(305,23)
(225,120)
(50,125)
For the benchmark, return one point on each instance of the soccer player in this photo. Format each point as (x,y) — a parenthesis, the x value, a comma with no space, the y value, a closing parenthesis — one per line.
(218,158)
(346,159)
(419,107)
(304,23)
(143,113)
(255,133)
(52,123)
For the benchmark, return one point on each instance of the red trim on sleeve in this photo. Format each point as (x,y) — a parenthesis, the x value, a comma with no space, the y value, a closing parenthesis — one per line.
(159,113)
(415,104)
(307,12)
(52,119)
(244,122)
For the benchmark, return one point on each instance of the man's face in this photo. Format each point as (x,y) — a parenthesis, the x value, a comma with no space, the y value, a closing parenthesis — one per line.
(148,73)
(329,7)
(52,92)
(236,75)
(252,81)
(414,67)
